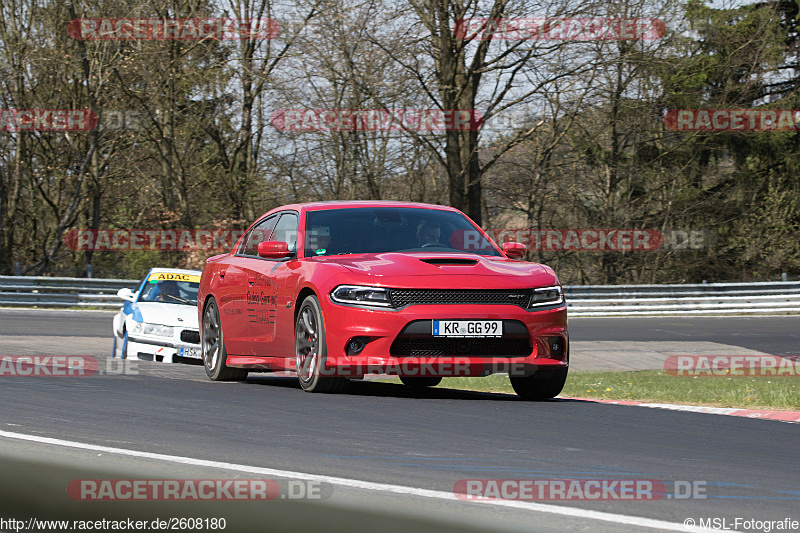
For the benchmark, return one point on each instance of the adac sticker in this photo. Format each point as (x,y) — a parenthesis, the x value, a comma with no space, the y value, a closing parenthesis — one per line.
(171,276)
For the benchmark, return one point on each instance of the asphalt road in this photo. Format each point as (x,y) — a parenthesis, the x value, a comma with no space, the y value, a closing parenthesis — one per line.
(417,441)
(775,335)
(55,323)
(386,433)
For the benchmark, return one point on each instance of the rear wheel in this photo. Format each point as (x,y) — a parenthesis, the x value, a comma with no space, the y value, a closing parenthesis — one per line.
(541,385)
(310,350)
(213,344)
(420,381)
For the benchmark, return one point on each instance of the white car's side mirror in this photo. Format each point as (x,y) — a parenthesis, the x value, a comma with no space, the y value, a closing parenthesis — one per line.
(126,294)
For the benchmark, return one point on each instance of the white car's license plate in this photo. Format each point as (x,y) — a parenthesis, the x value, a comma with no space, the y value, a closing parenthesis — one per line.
(467,328)
(194,353)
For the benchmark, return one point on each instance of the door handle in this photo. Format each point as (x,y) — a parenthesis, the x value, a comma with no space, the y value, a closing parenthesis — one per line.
(251,280)
(222,273)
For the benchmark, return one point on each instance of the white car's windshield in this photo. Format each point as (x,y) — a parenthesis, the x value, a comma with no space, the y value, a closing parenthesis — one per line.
(170,291)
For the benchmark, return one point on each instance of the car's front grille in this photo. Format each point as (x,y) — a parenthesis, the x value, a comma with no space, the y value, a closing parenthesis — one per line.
(404,297)
(496,347)
(190,336)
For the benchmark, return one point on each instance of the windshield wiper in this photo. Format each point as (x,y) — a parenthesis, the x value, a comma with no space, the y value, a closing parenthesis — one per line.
(179,299)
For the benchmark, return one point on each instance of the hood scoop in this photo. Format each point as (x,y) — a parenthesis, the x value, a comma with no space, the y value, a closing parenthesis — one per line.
(450,261)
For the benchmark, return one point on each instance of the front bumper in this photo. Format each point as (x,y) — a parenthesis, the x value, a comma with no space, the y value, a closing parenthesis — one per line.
(381,331)
(161,349)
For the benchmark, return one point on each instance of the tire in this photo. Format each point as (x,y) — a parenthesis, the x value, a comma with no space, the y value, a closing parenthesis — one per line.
(541,385)
(213,347)
(310,350)
(123,351)
(420,381)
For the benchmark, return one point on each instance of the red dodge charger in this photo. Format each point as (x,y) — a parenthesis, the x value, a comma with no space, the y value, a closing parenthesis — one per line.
(339,290)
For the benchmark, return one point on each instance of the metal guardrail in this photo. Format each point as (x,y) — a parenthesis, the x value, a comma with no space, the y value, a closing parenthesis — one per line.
(582,300)
(42,291)
(689,299)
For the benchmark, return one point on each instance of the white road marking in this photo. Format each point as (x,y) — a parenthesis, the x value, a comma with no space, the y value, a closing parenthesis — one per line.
(574,512)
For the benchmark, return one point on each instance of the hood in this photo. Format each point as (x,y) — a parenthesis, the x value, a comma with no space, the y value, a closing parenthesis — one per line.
(389,266)
(181,316)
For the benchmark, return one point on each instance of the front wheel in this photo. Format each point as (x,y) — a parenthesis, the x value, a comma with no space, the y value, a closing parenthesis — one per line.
(541,385)
(213,345)
(310,350)
(123,350)
(420,381)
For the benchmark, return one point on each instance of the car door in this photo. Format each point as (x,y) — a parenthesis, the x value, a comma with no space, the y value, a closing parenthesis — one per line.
(270,276)
(236,289)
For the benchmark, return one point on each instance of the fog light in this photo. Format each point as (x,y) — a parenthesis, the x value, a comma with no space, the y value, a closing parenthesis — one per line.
(356,345)
(557,346)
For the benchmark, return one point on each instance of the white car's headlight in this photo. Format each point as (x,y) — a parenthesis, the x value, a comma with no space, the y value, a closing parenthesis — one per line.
(361,295)
(153,329)
(546,296)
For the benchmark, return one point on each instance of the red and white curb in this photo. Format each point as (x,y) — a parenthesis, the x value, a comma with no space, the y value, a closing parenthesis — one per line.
(782,416)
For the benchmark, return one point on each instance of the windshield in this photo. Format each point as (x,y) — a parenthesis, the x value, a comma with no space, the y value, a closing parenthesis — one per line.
(392,229)
(171,288)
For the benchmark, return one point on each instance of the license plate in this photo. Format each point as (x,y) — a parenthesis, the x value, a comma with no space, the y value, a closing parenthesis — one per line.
(194,353)
(467,328)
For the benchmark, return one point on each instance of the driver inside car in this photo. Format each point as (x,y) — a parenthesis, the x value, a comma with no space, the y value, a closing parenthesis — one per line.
(168,291)
(428,233)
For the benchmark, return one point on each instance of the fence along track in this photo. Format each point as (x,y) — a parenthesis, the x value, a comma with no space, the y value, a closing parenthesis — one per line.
(582,300)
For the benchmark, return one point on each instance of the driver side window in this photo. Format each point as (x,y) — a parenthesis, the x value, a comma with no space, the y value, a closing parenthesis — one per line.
(286,230)
(262,231)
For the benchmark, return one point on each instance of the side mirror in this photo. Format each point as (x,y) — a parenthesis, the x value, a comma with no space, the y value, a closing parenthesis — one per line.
(273,249)
(514,250)
(126,294)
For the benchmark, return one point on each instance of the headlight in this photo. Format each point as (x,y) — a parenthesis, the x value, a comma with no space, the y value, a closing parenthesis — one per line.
(356,294)
(152,329)
(546,296)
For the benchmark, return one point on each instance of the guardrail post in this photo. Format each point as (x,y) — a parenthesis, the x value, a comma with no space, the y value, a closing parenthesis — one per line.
(17,269)
(89,271)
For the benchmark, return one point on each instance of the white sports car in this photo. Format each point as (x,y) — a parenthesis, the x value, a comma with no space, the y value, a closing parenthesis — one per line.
(158,322)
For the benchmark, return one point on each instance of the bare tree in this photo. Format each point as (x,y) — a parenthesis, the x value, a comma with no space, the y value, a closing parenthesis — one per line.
(342,70)
(480,70)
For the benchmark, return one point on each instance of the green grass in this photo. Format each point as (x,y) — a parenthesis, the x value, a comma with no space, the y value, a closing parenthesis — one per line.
(745,392)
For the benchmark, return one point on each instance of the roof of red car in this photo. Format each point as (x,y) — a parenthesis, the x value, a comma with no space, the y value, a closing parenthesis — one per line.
(338,204)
